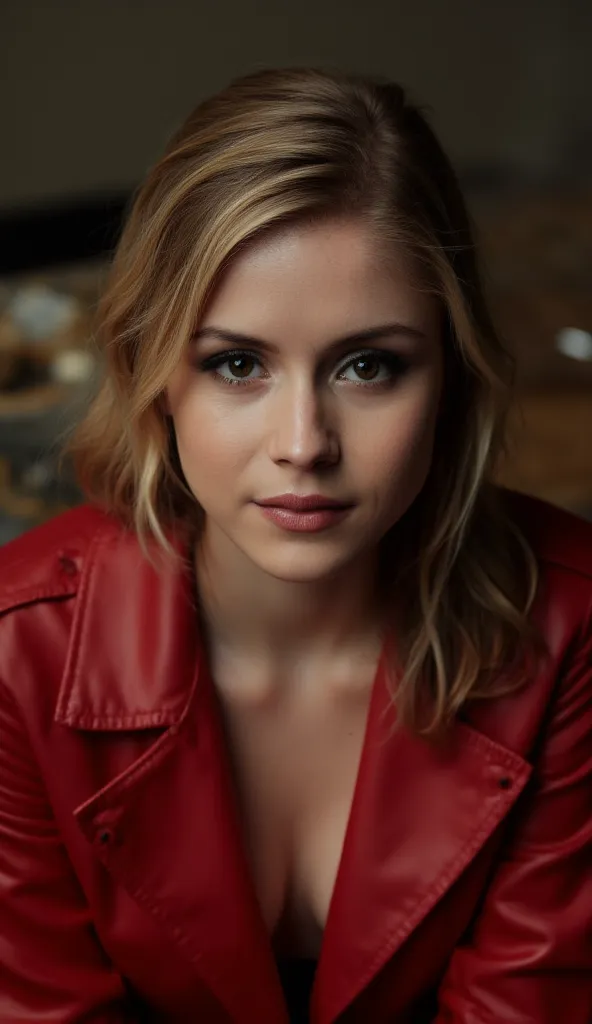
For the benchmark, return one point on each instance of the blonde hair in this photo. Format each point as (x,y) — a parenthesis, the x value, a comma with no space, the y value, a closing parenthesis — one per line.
(273,148)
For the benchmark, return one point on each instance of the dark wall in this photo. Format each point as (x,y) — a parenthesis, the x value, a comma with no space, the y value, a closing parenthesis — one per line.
(90,89)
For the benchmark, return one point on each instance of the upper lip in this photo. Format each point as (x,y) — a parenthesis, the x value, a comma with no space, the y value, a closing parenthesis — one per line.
(303,502)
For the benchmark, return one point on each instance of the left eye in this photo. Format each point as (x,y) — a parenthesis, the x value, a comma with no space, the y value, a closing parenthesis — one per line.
(367,368)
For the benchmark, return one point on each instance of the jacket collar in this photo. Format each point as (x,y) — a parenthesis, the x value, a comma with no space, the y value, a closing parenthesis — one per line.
(133,642)
(419,815)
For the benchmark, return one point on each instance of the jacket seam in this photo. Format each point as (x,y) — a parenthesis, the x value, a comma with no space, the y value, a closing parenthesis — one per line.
(79,628)
(477,1016)
(30,596)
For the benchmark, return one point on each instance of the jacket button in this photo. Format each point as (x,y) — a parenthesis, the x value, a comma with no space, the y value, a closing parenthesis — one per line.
(68,565)
(505,782)
(105,836)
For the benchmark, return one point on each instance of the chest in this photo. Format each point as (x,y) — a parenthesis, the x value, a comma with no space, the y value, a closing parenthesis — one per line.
(295,762)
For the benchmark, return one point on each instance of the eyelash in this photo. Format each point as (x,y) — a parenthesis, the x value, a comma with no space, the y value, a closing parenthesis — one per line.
(395,364)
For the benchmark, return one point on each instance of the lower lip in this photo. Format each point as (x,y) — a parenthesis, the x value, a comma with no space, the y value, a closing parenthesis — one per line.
(304,522)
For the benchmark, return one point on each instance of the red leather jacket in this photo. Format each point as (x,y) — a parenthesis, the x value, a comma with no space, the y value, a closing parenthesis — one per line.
(464,893)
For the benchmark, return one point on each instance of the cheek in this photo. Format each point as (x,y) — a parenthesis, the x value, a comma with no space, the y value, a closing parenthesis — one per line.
(210,447)
(406,429)
(397,452)
(407,450)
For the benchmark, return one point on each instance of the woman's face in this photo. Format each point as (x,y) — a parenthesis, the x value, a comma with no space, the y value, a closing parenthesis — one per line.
(316,370)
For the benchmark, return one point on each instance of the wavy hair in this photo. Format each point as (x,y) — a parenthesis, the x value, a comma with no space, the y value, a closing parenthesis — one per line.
(282,146)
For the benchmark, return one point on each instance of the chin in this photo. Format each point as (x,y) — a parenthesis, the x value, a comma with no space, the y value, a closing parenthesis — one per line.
(301,566)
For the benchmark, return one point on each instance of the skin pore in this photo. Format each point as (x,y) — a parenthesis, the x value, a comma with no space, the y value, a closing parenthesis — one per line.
(316,369)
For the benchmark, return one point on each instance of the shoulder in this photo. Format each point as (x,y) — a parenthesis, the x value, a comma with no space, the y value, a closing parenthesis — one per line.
(46,562)
(562,546)
(558,539)
(554,696)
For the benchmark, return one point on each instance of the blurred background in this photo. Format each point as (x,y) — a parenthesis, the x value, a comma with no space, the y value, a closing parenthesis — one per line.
(91,90)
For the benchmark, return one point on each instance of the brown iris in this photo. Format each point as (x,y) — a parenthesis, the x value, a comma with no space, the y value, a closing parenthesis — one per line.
(366,367)
(241,366)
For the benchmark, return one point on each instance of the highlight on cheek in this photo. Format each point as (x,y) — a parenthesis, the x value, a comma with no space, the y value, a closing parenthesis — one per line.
(372,368)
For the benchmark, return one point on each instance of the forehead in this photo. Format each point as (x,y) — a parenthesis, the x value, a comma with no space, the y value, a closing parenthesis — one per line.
(317,280)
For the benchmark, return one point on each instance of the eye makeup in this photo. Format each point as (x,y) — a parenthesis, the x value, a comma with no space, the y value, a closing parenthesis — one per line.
(393,364)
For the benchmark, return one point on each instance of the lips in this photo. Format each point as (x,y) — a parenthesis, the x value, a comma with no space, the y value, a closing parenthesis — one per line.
(303,503)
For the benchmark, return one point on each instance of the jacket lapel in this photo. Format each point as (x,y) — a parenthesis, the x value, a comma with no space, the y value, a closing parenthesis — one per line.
(420,814)
(136,663)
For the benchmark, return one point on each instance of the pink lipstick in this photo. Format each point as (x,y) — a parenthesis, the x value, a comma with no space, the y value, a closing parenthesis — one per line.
(307,513)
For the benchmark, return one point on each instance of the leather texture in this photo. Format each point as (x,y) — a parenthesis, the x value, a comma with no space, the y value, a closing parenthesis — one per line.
(464,891)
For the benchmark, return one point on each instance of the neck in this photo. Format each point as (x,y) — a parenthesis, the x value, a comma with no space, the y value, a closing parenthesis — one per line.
(279,622)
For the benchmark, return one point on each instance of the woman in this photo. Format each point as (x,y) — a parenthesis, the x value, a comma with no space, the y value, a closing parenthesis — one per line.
(299,705)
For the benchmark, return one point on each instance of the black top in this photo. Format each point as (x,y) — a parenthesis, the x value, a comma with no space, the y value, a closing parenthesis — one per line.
(297,977)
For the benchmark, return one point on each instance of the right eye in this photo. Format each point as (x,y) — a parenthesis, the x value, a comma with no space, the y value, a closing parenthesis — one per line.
(239,367)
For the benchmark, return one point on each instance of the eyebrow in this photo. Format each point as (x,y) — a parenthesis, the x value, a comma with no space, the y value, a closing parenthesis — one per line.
(357,337)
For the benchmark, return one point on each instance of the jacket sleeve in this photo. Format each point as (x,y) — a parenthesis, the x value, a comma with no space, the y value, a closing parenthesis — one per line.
(52,968)
(529,957)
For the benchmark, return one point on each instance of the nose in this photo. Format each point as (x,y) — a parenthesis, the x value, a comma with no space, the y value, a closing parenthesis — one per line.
(300,433)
